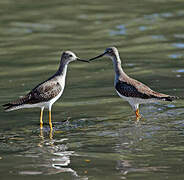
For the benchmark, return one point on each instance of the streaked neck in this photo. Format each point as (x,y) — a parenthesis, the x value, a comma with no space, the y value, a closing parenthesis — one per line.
(61,73)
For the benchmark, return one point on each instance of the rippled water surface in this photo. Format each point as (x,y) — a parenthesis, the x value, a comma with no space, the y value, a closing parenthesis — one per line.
(95,135)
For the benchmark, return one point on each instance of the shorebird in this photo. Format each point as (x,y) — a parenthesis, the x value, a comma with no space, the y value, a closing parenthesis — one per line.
(46,93)
(130,89)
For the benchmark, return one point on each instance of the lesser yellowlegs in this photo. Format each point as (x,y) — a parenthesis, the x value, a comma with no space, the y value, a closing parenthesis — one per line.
(47,92)
(130,89)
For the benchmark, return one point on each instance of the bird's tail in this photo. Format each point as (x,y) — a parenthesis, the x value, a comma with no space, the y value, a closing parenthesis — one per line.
(14,105)
(11,107)
(169,98)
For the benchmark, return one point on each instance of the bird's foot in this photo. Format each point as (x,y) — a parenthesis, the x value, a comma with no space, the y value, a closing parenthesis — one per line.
(138,116)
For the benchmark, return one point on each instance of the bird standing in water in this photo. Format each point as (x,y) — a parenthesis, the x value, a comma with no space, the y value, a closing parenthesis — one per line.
(130,89)
(46,93)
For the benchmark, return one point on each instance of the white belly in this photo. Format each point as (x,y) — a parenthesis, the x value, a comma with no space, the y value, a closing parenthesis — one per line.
(134,102)
(52,101)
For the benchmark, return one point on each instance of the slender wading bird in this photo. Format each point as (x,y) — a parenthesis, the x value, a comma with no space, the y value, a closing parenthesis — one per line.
(130,89)
(46,93)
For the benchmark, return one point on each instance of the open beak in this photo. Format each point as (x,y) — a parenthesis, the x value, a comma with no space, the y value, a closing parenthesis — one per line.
(78,59)
(97,56)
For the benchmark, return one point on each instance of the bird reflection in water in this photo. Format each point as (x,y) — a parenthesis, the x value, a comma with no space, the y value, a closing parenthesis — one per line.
(54,155)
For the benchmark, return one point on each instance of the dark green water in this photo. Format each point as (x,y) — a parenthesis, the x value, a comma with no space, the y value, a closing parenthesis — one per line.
(95,134)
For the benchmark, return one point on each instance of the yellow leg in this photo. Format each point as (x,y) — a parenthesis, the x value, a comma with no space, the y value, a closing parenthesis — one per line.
(50,122)
(41,121)
(138,116)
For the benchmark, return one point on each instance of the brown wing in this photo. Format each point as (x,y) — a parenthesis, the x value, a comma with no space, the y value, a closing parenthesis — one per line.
(132,88)
(44,92)
(41,93)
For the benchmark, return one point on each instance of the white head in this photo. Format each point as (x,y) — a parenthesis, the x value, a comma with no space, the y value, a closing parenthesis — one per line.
(112,52)
(69,56)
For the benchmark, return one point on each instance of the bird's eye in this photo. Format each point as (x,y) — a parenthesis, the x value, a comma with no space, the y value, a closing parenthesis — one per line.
(70,55)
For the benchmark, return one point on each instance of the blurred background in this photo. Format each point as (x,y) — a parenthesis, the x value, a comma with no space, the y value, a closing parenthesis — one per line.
(95,134)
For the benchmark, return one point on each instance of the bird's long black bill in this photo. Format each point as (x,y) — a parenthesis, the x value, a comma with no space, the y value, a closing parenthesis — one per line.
(78,59)
(97,56)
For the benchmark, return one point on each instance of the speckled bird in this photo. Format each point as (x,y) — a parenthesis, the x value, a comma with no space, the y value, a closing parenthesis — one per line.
(46,93)
(130,89)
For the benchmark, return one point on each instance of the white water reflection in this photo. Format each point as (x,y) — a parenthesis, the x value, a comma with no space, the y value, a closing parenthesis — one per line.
(59,157)
(51,157)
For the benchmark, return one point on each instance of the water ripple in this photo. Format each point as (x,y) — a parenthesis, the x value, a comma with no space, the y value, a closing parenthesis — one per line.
(178,45)
(120,30)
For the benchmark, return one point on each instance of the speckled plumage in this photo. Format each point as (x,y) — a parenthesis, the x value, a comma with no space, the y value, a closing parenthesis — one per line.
(130,89)
(46,93)
(136,89)
(42,93)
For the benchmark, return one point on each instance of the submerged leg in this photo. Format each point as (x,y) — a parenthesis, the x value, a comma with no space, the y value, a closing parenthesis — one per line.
(51,133)
(41,134)
(50,121)
(41,117)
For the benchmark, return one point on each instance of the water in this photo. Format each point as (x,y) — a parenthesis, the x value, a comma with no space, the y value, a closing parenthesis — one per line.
(95,134)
